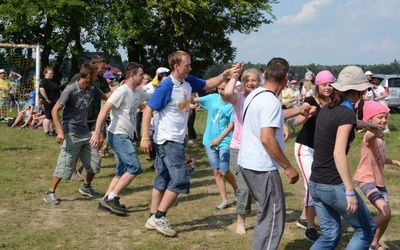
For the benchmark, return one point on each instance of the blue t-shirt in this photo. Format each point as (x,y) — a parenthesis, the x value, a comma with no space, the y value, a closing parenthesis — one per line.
(219,115)
(32,98)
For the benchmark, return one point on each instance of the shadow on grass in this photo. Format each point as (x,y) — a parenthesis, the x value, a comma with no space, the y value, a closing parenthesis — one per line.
(393,245)
(17,148)
(192,197)
(220,221)
(298,244)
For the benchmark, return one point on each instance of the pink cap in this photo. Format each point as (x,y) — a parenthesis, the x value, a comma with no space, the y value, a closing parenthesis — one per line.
(324,76)
(293,82)
(373,108)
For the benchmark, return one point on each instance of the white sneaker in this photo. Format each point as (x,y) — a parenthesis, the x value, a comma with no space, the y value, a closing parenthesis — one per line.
(150,223)
(386,131)
(51,199)
(223,205)
(163,226)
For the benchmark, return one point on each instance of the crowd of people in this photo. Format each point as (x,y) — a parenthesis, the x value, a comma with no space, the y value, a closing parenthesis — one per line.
(245,128)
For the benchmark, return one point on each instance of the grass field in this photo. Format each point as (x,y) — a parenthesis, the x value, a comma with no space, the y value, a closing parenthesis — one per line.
(27,161)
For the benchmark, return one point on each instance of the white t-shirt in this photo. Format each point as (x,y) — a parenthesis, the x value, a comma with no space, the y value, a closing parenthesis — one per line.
(149,88)
(172,119)
(126,103)
(378,93)
(265,110)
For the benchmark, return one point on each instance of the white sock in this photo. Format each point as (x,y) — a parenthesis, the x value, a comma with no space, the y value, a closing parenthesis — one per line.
(111,196)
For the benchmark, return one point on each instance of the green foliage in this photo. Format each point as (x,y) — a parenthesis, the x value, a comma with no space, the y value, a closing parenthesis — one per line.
(149,30)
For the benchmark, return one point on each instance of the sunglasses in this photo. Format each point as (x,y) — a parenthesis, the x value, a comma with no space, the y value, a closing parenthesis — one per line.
(111,79)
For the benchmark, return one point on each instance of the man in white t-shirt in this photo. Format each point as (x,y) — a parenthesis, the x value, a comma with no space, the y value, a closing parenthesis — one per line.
(261,154)
(171,99)
(122,106)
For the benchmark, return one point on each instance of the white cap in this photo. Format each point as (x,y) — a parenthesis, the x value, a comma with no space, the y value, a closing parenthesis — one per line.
(162,70)
(238,83)
(368,73)
(2,71)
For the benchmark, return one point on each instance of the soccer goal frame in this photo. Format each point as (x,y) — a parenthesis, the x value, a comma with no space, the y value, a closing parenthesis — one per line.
(36,52)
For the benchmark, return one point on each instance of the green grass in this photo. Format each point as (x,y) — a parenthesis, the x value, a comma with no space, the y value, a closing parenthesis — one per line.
(27,161)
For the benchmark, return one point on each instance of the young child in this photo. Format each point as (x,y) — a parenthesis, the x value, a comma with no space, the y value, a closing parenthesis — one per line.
(369,174)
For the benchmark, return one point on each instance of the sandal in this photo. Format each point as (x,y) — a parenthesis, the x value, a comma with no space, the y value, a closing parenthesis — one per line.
(377,247)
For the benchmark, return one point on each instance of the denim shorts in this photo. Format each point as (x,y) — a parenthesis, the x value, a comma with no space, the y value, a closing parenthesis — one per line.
(173,174)
(126,158)
(218,158)
(74,146)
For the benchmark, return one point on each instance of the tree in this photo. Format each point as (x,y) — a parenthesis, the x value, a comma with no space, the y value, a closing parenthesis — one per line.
(151,30)
(56,26)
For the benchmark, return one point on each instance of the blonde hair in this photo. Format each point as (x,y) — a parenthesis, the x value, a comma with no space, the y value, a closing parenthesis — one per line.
(254,71)
(307,85)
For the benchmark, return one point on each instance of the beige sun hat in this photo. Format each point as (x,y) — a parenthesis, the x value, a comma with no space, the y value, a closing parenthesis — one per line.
(351,78)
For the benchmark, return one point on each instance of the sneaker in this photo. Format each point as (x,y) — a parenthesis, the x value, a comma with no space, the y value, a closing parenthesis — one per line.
(102,208)
(89,192)
(386,131)
(311,235)
(301,223)
(163,226)
(150,223)
(51,199)
(113,205)
(223,205)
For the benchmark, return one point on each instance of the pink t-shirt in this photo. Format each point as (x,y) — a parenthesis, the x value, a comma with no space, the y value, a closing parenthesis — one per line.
(238,119)
(372,162)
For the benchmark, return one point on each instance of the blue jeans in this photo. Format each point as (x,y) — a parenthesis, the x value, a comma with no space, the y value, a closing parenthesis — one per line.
(173,173)
(218,158)
(125,155)
(330,204)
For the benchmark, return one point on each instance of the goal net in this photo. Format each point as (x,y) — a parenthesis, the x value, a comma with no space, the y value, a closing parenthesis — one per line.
(21,62)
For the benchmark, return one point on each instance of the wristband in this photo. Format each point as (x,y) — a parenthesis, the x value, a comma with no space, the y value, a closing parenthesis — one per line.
(223,77)
(60,132)
(145,139)
(350,195)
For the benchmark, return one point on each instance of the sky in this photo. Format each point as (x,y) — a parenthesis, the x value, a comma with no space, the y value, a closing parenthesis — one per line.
(326,32)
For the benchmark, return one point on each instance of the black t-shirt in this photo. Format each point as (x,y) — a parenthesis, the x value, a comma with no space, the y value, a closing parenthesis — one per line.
(323,168)
(52,89)
(306,134)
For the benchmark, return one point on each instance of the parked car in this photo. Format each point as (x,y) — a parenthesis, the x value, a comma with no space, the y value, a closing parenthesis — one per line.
(391,83)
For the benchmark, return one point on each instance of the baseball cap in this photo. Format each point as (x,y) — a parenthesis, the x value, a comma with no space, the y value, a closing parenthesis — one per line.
(351,78)
(368,73)
(108,74)
(238,83)
(293,82)
(162,70)
(372,108)
(2,71)
(324,76)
